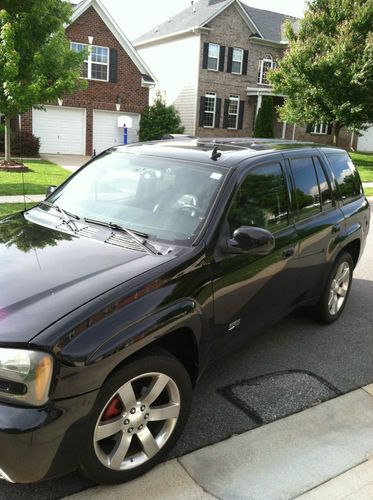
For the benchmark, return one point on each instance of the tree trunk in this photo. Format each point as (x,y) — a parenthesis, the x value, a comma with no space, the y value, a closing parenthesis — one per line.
(337,129)
(7,138)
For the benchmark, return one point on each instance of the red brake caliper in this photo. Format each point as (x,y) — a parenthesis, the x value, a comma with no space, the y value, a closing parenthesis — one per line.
(113,409)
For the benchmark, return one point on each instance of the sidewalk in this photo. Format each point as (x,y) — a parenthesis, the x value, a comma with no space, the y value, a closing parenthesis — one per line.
(323,453)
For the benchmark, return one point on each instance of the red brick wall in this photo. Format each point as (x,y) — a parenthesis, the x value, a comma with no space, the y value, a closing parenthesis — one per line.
(102,95)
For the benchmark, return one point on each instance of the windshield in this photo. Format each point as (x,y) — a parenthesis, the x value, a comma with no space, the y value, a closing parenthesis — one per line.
(165,198)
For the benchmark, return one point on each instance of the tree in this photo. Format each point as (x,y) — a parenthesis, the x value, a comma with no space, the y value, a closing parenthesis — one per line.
(263,126)
(37,65)
(327,72)
(159,119)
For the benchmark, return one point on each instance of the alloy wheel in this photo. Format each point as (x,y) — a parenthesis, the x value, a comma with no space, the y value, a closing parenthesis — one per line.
(339,288)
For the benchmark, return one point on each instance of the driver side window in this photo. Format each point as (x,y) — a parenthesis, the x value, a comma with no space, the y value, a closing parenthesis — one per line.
(261,200)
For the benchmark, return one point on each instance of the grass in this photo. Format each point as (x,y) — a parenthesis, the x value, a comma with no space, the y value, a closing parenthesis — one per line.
(11,208)
(364,163)
(368,191)
(42,174)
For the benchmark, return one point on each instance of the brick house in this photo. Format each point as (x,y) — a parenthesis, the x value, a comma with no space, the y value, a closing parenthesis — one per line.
(211,61)
(118,84)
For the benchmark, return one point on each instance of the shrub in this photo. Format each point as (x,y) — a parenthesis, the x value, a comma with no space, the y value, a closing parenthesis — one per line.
(158,120)
(264,121)
(23,143)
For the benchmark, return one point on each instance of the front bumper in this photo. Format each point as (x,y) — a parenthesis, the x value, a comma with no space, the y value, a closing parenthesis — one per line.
(41,443)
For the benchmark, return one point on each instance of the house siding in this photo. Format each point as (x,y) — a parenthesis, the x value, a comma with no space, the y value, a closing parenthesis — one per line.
(102,95)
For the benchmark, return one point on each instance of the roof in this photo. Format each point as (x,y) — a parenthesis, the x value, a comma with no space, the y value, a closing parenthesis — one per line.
(80,8)
(265,24)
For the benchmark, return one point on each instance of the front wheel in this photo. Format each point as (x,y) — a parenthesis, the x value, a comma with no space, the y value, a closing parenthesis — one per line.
(139,415)
(334,297)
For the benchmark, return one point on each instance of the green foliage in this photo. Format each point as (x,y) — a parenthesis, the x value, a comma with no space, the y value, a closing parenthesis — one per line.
(327,73)
(263,126)
(23,143)
(159,119)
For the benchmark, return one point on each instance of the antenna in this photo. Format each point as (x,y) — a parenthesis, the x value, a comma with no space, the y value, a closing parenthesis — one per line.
(215,154)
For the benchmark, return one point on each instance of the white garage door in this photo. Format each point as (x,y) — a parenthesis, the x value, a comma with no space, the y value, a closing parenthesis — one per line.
(365,142)
(106,132)
(61,130)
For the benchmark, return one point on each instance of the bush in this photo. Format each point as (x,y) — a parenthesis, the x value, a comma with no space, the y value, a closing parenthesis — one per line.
(23,143)
(264,121)
(158,120)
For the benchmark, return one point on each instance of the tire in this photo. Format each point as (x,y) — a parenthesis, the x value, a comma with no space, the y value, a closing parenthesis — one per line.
(139,415)
(334,297)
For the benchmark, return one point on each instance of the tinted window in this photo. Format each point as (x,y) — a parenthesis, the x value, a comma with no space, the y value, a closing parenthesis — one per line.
(261,200)
(306,187)
(346,174)
(325,190)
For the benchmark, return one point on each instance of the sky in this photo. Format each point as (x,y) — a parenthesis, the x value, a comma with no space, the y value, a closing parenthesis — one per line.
(136,17)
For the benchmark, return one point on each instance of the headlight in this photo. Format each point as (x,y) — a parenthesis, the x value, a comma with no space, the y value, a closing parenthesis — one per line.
(25,376)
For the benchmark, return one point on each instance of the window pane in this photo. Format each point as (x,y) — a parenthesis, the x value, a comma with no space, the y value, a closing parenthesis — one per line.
(346,175)
(237,55)
(99,71)
(209,110)
(99,54)
(325,191)
(84,73)
(236,67)
(213,50)
(261,201)
(213,58)
(306,187)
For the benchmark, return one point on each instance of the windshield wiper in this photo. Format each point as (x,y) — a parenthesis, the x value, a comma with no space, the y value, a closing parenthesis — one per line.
(67,217)
(136,235)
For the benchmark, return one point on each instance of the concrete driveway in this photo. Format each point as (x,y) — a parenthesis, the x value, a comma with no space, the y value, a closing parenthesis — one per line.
(70,162)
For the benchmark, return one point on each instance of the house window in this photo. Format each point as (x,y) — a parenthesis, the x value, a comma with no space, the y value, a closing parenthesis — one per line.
(265,65)
(319,128)
(234,103)
(213,57)
(237,59)
(96,65)
(210,109)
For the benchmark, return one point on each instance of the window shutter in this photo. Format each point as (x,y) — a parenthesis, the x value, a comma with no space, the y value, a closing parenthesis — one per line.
(221,58)
(240,115)
(217,113)
(230,58)
(245,61)
(205,55)
(309,129)
(330,129)
(202,102)
(113,70)
(226,107)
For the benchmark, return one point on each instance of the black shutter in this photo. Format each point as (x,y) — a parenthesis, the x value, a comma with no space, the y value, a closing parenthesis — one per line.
(230,58)
(113,70)
(226,107)
(330,129)
(309,129)
(217,113)
(205,55)
(221,58)
(240,115)
(245,60)
(202,103)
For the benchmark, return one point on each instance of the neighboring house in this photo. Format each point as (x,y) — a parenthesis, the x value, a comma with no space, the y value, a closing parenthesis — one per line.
(211,61)
(365,141)
(118,84)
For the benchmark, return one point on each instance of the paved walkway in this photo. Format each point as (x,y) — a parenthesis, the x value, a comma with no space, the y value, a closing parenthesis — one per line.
(323,453)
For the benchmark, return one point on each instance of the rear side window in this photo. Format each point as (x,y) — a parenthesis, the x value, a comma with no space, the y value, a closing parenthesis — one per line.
(261,200)
(306,187)
(325,189)
(346,175)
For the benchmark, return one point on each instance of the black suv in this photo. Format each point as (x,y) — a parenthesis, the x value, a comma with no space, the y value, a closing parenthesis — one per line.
(140,270)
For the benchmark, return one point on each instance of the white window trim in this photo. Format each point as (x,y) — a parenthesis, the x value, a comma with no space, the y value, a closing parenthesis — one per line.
(239,61)
(318,129)
(211,95)
(267,59)
(213,57)
(235,98)
(90,62)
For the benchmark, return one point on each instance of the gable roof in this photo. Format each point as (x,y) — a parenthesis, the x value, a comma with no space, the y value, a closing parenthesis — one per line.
(80,8)
(265,24)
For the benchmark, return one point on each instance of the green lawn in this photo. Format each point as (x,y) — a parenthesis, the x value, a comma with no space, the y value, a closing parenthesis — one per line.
(42,174)
(10,208)
(364,163)
(368,191)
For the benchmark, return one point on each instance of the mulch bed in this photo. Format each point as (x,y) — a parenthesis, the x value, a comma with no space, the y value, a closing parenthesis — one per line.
(12,166)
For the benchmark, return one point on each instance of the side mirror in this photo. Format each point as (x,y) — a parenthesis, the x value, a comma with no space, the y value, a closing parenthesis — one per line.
(50,190)
(253,240)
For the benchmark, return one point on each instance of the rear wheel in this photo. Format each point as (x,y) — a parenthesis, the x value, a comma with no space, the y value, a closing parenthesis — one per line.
(139,415)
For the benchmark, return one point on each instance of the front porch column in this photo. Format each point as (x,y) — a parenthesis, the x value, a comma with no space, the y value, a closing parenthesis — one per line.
(294,127)
(283,130)
(259,105)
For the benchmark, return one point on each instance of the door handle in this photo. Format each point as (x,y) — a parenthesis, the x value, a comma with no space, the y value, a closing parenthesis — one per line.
(336,228)
(289,252)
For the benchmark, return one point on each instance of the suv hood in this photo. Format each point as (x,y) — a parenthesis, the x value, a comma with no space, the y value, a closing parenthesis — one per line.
(46,273)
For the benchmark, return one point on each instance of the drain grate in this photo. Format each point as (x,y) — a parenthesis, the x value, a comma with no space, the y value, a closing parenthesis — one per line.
(277,395)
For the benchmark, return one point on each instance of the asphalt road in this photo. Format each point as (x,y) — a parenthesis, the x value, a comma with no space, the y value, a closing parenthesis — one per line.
(295,364)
